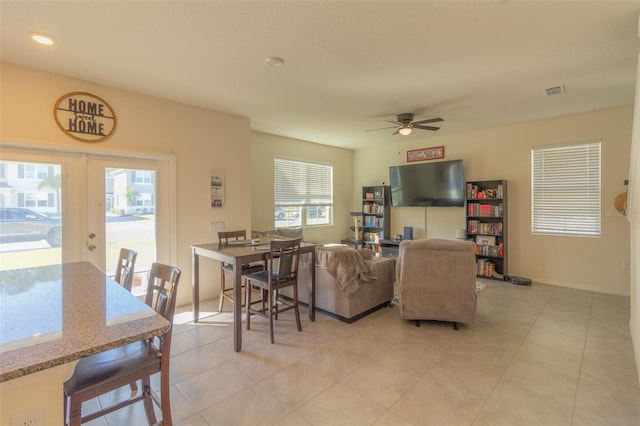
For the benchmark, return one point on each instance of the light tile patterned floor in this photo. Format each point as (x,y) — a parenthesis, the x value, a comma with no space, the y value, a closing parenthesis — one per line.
(537,355)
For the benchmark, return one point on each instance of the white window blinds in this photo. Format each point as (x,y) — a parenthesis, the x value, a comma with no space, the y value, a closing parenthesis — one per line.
(299,183)
(565,189)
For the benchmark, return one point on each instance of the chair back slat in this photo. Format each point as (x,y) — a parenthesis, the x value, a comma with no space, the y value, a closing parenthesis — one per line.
(125,268)
(161,295)
(284,258)
(225,236)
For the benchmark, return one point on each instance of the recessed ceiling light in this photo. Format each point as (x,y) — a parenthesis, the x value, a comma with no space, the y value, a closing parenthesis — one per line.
(41,38)
(274,61)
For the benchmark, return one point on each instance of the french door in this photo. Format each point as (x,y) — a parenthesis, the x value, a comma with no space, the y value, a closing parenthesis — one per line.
(126,209)
(99,203)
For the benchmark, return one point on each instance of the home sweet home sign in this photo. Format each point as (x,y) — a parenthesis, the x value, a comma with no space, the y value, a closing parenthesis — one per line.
(84,116)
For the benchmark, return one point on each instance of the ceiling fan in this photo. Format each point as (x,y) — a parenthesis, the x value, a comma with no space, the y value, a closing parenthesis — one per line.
(404,124)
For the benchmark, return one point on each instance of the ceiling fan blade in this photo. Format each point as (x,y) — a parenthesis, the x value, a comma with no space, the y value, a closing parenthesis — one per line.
(430,120)
(418,126)
(381,128)
(396,132)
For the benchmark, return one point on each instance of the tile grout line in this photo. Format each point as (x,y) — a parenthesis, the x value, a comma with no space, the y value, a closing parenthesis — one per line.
(511,360)
(584,346)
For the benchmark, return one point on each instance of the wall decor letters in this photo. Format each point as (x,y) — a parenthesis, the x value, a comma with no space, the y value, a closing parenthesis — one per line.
(425,154)
(84,116)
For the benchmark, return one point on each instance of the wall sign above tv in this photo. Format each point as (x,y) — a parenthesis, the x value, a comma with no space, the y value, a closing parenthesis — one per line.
(425,154)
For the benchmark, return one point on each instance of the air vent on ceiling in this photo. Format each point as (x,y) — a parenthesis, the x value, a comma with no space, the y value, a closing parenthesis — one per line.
(555,90)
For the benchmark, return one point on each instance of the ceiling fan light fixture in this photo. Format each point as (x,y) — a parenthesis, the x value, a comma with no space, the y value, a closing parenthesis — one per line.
(405,130)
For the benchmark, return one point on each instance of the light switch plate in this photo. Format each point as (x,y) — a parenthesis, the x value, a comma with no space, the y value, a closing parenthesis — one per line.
(216,226)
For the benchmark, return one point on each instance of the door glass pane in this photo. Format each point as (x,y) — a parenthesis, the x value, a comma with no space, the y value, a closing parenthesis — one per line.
(30,214)
(130,219)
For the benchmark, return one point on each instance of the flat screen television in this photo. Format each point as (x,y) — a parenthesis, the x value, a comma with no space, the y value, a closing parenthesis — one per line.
(438,184)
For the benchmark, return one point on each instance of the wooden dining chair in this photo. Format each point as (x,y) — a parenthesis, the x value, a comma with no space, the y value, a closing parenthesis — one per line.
(124,276)
(282,271)
(125,267)
(107,371)
(226,292)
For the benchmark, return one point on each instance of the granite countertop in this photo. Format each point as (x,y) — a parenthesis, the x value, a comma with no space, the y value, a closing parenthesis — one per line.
(51,315)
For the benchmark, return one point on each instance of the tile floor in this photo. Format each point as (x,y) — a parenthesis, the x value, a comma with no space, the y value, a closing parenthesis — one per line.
(537,355)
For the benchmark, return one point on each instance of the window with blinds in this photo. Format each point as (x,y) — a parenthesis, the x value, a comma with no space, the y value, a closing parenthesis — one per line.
(303,193)
(565,189)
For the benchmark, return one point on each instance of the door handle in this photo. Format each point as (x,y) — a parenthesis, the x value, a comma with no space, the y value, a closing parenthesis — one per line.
(92,247)
(92,236)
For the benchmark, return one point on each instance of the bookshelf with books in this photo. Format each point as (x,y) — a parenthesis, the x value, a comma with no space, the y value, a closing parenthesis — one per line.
(486,215)
(376,215)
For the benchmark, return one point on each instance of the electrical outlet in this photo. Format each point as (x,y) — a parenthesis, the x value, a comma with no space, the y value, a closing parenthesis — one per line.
(31,417)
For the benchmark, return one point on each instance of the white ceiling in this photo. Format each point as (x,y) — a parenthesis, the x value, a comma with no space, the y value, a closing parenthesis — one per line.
(349,65)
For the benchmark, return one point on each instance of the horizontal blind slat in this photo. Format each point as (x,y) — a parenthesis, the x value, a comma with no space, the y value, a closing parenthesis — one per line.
(302,183)
(566,189)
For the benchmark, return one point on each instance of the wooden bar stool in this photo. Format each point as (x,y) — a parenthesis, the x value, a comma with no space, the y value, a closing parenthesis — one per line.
(226,268)
(125,267)
(107,371)
(281,272)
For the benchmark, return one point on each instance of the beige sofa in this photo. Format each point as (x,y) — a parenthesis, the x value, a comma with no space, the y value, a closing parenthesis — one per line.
(293,232)
(350,284)
(437,280)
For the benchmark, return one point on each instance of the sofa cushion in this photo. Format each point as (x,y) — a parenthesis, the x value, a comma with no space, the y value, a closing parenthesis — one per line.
(290,232)
(294,232)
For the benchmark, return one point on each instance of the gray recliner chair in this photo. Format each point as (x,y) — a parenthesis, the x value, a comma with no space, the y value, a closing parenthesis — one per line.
(437,280)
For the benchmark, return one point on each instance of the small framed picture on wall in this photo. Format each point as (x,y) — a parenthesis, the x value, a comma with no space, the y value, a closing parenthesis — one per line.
(217,191)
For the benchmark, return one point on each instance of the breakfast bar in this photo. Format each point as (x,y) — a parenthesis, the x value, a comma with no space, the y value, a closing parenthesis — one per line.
(50,317)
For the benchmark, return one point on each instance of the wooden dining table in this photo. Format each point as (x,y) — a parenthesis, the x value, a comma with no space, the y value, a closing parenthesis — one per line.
(238,253)
(50,317)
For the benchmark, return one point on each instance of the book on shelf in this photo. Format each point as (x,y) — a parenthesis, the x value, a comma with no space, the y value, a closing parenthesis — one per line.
(372,208)
(485,240)
(484,210)
(373,221)
(489,250)
(486,228)
(485,267)
(474,192)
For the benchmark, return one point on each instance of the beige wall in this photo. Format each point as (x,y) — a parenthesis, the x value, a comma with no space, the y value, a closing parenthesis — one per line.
(206,142)
(504,153)
(633,213)
(266,147)
(202,141)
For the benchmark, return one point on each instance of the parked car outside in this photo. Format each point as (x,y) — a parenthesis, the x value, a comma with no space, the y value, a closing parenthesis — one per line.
(19,224)
(286,213)
(315,212)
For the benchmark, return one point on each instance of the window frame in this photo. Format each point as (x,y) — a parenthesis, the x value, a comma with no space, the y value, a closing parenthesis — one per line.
(566,189)
(299,196)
